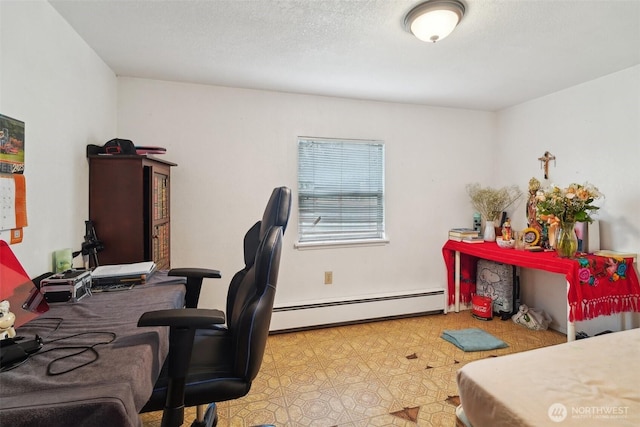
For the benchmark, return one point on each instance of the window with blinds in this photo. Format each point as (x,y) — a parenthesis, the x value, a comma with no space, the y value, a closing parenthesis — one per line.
(340,190)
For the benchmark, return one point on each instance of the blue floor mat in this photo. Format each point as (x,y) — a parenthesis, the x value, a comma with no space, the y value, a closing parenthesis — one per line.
(473,339)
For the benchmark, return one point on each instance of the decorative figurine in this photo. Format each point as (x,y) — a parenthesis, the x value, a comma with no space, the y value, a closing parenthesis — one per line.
(506,230)
(7,320)
(532,212)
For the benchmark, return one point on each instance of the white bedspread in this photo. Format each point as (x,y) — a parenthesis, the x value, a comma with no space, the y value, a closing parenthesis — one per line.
(589,382)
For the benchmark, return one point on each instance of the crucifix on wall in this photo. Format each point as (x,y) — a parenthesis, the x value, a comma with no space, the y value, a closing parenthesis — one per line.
(544,162)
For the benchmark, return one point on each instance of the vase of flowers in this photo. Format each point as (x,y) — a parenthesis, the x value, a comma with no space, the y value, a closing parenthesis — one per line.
(566,242)
(489,233)
(491,202)
(562,208)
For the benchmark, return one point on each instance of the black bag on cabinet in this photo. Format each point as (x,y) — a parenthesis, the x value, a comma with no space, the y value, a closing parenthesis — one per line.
(114,146)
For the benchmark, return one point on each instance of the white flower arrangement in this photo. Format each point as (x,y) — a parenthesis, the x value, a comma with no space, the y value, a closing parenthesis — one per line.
(491,202)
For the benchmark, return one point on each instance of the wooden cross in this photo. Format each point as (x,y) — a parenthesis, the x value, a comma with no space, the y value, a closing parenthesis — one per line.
(544,162)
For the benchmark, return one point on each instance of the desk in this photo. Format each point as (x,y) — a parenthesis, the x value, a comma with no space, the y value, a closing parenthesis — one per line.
(110,391)
(582,301)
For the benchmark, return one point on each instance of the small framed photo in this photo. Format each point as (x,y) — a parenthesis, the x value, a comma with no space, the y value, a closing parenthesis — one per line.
(531,236)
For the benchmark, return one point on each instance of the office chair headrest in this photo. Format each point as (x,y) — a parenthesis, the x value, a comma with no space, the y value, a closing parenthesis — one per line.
(277,211)
(268,259)
(251,242)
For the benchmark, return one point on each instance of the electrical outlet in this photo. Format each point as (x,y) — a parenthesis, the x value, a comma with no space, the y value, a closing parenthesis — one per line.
(328,277)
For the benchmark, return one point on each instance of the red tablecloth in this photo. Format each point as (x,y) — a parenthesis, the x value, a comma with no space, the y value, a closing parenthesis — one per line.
(597,285)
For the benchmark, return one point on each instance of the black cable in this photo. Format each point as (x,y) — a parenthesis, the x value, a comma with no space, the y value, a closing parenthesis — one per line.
(82,348)
(35,322)
(19,338)
(111,334)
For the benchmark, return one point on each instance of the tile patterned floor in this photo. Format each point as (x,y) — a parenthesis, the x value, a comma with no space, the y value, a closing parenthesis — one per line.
(375,374)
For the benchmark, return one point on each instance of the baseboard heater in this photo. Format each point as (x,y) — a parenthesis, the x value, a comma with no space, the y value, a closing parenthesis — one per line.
(320,314)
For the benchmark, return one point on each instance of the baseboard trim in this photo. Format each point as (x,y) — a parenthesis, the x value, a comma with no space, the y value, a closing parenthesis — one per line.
(353,322)
(349,311)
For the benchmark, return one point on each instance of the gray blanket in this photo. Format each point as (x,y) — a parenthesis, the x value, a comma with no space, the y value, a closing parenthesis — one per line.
(110,390)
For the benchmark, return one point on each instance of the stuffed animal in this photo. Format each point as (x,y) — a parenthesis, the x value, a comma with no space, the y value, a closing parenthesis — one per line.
(7,320)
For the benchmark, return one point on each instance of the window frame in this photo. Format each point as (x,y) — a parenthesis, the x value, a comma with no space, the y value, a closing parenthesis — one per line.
(375,188)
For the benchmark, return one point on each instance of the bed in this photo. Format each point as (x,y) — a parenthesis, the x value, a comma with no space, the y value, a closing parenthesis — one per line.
(589,382)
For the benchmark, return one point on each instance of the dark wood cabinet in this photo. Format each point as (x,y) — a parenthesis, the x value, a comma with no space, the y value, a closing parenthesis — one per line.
(129,204)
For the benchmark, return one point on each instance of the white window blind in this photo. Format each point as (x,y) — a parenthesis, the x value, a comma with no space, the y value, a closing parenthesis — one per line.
(340,190)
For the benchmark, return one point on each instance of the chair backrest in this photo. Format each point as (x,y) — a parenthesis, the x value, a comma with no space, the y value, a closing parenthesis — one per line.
(250,328)
(276,213)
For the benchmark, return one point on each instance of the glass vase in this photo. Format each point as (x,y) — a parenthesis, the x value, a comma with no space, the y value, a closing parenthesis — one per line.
(489,234)
(566,240)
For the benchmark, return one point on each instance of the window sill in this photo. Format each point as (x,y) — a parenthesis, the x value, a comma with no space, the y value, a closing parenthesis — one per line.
(340,244)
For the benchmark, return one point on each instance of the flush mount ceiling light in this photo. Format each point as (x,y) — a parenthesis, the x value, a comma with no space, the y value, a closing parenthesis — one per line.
(434,20)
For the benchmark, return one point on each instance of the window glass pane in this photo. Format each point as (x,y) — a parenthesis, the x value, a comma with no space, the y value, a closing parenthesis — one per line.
(340,190)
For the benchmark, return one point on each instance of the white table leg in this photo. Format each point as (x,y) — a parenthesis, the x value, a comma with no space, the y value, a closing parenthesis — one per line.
(457,281)
(571,326)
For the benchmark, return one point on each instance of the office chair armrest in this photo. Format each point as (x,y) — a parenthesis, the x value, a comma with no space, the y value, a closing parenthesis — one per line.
(194,277)
(193,318)
(195,272)
(182,323)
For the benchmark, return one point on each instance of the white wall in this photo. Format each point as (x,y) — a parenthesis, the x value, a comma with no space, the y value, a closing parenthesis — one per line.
(593,129)
(66,95)
(234,145)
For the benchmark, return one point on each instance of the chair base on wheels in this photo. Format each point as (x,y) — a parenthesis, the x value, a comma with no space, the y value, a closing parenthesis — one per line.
(210,417)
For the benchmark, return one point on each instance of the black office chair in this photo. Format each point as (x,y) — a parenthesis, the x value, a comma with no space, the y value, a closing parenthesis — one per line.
(276,213)
(204,369)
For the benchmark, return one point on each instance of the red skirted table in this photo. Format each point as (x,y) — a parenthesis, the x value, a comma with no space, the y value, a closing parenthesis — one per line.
(596,285)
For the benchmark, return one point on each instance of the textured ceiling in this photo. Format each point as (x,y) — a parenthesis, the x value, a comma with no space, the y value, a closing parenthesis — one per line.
(504,52)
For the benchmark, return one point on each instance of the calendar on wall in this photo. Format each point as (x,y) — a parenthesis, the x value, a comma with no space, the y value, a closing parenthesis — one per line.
(13,194)
(13,205)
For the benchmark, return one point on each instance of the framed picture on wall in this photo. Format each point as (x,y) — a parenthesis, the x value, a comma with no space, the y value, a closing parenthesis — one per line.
(11,145)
